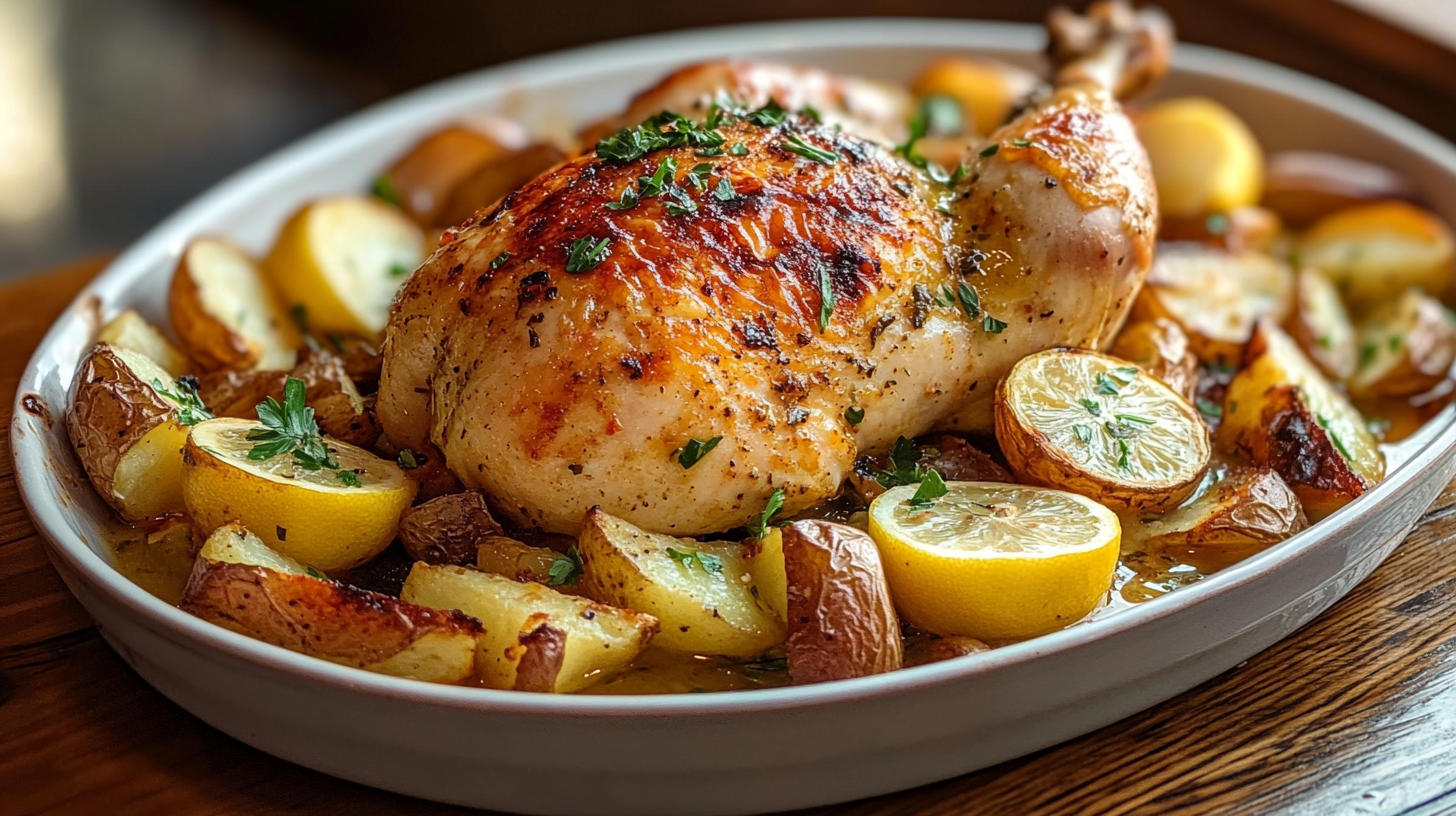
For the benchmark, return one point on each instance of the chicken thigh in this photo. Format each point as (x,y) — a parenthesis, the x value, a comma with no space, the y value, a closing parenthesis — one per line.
(799,294)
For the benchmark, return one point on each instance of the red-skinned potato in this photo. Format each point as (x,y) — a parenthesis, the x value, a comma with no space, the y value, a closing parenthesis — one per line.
(842,623)
(420,181)
(447,530)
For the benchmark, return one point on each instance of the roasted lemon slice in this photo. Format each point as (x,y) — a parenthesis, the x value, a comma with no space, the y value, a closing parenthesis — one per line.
(995,561)
(329,518)
(1098,426)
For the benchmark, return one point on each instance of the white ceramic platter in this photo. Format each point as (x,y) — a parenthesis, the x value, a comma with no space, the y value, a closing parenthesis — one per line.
(727,753)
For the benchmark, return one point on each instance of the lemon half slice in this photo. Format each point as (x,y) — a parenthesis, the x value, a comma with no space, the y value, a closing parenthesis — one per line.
(314,516)
(995,561)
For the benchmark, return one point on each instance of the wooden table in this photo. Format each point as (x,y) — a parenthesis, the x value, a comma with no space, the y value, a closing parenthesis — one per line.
(1355,713)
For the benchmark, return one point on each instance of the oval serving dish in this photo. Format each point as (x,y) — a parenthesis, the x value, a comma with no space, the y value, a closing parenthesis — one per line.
(726,753)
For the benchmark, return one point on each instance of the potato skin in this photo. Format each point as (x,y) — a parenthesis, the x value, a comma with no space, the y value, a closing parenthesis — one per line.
(448,529)
(495,178)
(1248,510)
(1162,349)
(338,407)
(212,344)
(1424,340)
(112,408)
(842,623)
(313,616)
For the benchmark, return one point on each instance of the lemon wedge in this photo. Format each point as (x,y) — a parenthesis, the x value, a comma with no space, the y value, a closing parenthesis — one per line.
(1099,426)
(995,561)
(319,517)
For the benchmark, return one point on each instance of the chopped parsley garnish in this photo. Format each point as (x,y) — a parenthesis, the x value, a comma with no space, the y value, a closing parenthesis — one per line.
(399,270)
(1134,419)
(1091,405)
(698,176)
(586,253)
(1122,454)
(681,203)
(931,488)
(299,313)
(813,113)
(349,478)
(1212,410)
(854,416)
(383,188)
(940,115)
(989,150)
(290,428)
(799,147)
(626,202)
(826,298)
(904,466)
(409,460)
(500,260)
(724,191)
(190,409)
(738,149)
(764,665)
(709,562)
(993,325)
(709,152)
(759,527)
(313,573)
(1334,437)
(1367,352)
(1084,433)
(566,569)
(695,450)
(770,115)
(969,300)
(1109,383)
(657,183)
(1021,143)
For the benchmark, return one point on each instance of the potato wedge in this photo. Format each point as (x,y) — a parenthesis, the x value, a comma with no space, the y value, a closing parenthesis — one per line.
(703,592)
(770,572)
(1321,326)
(1373,250)
(240,584)
(420,181)
(128,423)
(447,530)
(841,621)
(1281,413)
(1406,348)
(342,259)
(495,178)
(338,407)
(1205,159)
(517,560)
(132,332)
(1305,186)
(536,639)
(1216,297)
(986,90)
(225,313)
(1093,424)
(1162,349)
(1245,510)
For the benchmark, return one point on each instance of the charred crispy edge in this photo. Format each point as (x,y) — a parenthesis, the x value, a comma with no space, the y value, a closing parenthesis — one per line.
(212,344)
(107,397)
(1301,452)
(544,653)
(313,616)
(820,557)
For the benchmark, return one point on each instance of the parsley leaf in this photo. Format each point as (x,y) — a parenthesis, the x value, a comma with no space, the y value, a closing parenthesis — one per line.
(409,460)
(290,428)
(707,561)
(566,569)
(500,260)
(383,188)
(399,270)
(585,253)
(769,115)
(759,527)
(738,149)
(931,488)
(969,299)
(993,325)
(724,191)
(854,416)
(1084,433)
(989,150)
(826,298)
(698,176)
(1212,410)
(350,478)
(626,202)
(1091,405)
(1134,419)
(190,409)
(904,466)
(800,147)
(695,450)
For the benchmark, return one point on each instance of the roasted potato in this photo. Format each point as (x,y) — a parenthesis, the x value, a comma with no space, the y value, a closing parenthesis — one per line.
(1244,511)
(1373,250)
(1162,349)
(1406,348)
(1092,424)
(536,639)
(225,313)
(338,407)
(420,182)
(986,90)
(128,423)
(1304,186)
(159,560)
(1281,413)
(841,621)
(500,555)
(493,179)
(1246,229)
(770,573)
(703,592)
(1321,326)
(922,650)
(952,457)
(240,584)
(1205,159)
(1216,297)
(342,259)
(132,332)
(447,530)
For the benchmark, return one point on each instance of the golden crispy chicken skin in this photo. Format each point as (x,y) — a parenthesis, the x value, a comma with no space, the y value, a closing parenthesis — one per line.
(827,275)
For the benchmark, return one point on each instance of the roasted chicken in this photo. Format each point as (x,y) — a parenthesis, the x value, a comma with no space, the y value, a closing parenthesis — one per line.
(805,296)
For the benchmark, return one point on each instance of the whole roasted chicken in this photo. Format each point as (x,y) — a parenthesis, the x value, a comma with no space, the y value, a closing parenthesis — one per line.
(737,300)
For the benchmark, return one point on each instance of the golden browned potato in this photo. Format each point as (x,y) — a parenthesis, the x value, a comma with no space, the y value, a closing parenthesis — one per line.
(225,313)
(536,639)
(1216,297)
(420,182)
(493,179)
(985,89)
(1406,347)
(842,623)
(1162,349)
(1205,159)
(128,422)
(240,584)
(1321,326)
(447,530)
(1281,413)
(1246,510)
(338,407)
(1373,250)
(1092,424)
(702,591)
(770,574)
(342,259)
(1304,186)
(500,555)
(1246,229)
(132,332)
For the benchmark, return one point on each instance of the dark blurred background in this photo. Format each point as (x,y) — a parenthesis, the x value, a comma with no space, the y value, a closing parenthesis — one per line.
(112,114)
